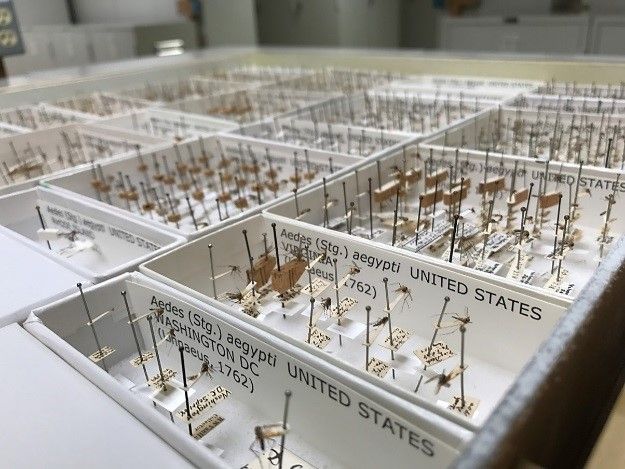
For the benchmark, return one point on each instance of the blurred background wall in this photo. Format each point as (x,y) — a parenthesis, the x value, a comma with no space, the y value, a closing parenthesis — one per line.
(75,32)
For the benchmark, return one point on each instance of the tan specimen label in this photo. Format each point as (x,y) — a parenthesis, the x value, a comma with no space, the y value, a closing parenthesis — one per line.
(206,426)
(318,285)
(346,304)
(101,354)
(377,367)
(144,358)
(432,355)
(318,338)
(469,408)
(158,381)
(400,337)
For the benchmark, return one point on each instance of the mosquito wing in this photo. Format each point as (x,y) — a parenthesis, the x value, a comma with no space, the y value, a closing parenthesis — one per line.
(456,372)
(449,327)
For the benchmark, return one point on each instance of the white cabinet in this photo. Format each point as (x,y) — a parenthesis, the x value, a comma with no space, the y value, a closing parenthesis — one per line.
(345,23)
(608,34)
(529,34)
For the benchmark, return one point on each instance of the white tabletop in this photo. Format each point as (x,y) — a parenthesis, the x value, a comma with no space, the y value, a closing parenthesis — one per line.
(29,280)
(53,417)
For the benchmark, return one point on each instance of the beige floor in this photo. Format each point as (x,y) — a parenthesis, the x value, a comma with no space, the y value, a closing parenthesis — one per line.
(609,451)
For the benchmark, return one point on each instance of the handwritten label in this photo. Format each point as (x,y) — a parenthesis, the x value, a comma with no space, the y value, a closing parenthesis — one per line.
(160,381)
(439,352)
(144,358)
(400,337)
(318,338)
(469,408)
(206,426)
(517,271)
(366,233)
(101,354)
(346,304)
(290,293)
(497,241)
(377,367)
(207,401)
(559,284)
(488,266)
(318,285)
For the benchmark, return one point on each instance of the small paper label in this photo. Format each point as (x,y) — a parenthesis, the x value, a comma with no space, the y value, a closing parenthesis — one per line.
(366,233)
(346,304)
(158,381)
(289,294)
(378,367)
(488,266)
(101,354)
(432,355)
(400,336)
(318,285)
(318,338)
(469,407)
(206,426)
(144,358)
(205,402)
